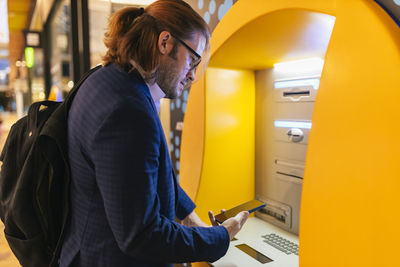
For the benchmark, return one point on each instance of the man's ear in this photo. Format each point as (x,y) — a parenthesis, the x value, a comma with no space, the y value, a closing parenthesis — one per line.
(165,43)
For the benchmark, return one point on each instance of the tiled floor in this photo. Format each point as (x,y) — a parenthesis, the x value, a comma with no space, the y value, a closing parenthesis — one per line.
(7,258)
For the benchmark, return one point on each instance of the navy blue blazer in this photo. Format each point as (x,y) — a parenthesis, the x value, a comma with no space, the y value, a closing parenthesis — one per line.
(124,196)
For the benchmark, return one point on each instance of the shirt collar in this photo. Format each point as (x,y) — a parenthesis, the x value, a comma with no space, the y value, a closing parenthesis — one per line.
(155,91)
(156,94)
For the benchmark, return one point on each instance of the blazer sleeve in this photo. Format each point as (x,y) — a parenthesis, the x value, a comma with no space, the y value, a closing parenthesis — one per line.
(125,152)
(185,204)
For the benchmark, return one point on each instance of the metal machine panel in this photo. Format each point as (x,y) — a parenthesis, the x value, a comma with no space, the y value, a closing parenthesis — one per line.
(284,119)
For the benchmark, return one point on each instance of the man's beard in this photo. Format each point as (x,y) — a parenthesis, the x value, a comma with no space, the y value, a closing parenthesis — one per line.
(166,76)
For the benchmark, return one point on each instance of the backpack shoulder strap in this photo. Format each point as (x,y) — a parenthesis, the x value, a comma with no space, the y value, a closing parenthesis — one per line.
(72,93)
(34,123)
(56,126)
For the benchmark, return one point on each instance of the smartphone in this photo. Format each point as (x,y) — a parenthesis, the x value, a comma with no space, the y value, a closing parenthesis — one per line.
(250,206)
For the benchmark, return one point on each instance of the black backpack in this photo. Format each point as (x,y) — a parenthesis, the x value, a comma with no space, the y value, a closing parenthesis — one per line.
(34,182)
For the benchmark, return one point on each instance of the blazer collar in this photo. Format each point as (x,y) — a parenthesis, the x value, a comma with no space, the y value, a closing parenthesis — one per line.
(138,82)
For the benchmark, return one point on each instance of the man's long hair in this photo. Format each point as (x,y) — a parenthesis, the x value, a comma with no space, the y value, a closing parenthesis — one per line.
(133,32)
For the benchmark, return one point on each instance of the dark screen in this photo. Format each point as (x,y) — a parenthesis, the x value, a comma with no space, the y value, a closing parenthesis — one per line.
(250,206)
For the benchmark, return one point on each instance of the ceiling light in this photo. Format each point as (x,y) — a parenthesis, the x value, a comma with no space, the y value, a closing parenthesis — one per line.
(293,124)
(314,82)
(308,64)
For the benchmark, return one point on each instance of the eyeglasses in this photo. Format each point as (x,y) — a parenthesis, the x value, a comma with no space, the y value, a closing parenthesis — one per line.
(194,62)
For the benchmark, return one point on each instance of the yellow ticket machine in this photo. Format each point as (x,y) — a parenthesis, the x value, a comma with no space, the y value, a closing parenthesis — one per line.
(347,213)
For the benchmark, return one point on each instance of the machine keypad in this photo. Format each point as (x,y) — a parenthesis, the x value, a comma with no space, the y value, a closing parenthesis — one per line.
(281,244)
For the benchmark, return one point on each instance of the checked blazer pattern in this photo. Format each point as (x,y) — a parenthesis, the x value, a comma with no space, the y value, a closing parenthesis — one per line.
(124,196)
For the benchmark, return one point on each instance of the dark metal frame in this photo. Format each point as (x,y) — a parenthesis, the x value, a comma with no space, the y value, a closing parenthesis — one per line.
(47,47)
(79,38)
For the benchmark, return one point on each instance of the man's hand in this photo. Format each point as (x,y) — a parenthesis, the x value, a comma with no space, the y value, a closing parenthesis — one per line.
(232,225)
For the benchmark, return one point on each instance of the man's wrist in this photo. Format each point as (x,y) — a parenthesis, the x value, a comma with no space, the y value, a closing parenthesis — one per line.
(193,220)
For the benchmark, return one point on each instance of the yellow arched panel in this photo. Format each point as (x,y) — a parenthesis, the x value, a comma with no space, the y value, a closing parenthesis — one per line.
(278,36)
(227,177)
(351,183)
(350,190)
(244,11)
(192,148)
(194,134)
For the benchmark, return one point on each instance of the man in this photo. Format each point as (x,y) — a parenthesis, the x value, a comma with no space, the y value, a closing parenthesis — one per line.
(124,195)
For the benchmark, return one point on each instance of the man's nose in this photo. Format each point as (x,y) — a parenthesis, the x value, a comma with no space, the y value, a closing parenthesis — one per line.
(191,74)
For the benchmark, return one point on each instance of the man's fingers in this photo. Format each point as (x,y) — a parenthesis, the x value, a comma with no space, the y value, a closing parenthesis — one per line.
(212,218)
(223,210)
